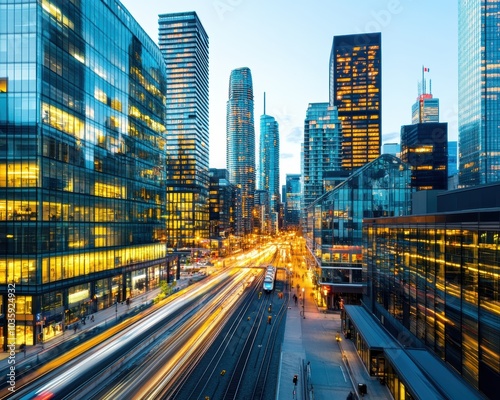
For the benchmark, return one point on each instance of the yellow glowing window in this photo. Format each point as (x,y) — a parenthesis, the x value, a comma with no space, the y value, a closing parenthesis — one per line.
(3,85)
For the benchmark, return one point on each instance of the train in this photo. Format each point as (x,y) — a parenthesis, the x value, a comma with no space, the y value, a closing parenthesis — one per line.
(268,284)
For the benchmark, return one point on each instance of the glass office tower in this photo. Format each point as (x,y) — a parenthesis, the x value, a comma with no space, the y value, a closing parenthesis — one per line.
(184,45)
(321,149)
(479,77)
(240,142)
(82,155)
(269,170)
(356,90)
(293,194)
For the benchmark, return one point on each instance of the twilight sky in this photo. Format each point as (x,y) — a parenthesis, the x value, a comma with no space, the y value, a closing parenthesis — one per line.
(286,44)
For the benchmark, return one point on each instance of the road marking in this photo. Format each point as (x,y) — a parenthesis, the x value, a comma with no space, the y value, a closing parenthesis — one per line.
(342,370)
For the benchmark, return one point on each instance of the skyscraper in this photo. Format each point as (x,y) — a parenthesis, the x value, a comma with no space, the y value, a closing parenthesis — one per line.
(479,77)
(82,183)
(356,90)
(321,148)
(293,193)
(240,141)
(426,107)
(184,45)
(269,170)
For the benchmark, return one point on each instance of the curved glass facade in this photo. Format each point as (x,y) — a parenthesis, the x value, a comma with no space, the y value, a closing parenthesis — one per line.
(82,155)
(335,221)
(240,142)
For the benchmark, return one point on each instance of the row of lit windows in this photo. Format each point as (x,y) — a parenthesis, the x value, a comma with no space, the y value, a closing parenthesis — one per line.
(70,266)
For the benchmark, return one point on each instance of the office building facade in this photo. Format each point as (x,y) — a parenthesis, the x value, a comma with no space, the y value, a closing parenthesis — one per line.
(356,90)
(478,74)
(240,142)
(433,281)
(269,163)
(222,207)
(82,162)
(424,146)
(184,45)
(322,149)
(425,109)
(292,201)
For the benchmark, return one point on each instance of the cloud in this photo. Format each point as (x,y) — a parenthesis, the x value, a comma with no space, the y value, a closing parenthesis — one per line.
(295,135)
(286,156)
(391,137)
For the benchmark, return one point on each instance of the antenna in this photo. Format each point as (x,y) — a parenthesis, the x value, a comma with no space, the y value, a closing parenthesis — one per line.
(423,80)
(430,86)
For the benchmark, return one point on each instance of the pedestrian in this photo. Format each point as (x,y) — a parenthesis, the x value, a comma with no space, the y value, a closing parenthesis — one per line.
(92,318)
(75,327)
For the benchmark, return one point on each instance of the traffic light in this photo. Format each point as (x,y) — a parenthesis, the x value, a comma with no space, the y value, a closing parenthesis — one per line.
(295,379)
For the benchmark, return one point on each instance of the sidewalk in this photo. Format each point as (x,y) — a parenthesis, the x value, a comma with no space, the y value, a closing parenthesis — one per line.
(326,369)
(103,319)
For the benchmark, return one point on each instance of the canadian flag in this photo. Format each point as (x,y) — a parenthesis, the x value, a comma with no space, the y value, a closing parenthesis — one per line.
(426,69)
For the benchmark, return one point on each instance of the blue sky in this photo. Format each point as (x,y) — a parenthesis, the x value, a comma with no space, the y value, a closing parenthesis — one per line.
(286,44)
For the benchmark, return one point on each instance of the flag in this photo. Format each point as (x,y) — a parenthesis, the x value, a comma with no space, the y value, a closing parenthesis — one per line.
(426,69)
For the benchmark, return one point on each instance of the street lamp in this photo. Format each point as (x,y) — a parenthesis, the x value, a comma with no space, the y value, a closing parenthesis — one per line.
(303,302)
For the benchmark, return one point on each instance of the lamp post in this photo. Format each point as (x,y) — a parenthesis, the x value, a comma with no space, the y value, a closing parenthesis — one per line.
(303,303)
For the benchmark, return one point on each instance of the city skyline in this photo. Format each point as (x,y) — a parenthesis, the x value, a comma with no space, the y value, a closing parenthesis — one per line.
(291,66)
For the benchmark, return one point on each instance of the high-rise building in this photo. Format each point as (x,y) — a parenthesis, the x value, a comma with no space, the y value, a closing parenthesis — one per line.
(269,161)
(426,107)
(184,45)
(240,142)
(356,90)
(478,72)
(222,209)
(82,179)
(322,149)
(424,146)
(293,194)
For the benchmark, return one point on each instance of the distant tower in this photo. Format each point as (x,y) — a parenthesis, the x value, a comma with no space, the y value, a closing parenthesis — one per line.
(356,90)
(269,170)
(184,45)
(240,141)
(322,149)
(426,108)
